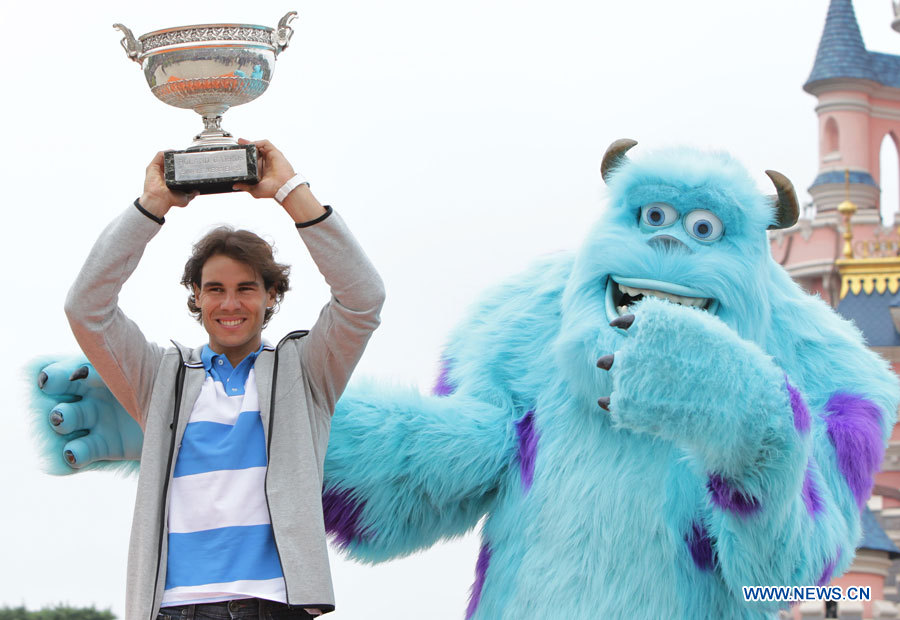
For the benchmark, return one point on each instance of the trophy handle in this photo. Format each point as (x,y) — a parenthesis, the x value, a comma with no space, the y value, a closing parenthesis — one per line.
(283,32)
(131,45)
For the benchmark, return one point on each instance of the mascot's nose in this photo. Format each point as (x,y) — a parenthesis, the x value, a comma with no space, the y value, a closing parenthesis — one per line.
(667,243)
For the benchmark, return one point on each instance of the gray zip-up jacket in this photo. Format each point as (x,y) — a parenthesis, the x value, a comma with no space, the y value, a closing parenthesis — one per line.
(299,382)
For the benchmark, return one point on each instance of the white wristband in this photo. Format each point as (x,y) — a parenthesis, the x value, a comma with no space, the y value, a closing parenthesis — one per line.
(289,186)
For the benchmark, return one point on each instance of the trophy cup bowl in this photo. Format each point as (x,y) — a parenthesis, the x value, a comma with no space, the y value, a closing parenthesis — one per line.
(209,68)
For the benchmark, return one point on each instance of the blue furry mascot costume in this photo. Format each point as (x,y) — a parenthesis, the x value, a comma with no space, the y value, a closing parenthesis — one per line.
(739,424)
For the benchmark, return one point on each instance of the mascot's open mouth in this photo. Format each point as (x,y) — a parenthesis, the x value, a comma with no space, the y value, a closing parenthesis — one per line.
(621,293)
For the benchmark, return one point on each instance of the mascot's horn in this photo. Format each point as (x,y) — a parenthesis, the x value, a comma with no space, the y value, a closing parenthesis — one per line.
(615,156)
(787,209)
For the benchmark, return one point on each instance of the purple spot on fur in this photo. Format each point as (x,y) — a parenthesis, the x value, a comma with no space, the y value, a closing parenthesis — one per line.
(481,566)
(828,571)
(700,546)
(854,426)
(801,413)
(343,512)
(727,497)
(811,495)
(528,440)
(443,387)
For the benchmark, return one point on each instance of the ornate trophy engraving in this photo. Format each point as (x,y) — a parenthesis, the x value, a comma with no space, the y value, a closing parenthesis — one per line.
(209,68)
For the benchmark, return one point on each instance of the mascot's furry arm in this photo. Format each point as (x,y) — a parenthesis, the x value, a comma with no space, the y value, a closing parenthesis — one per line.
(419,468)
(740,423)
(403,471)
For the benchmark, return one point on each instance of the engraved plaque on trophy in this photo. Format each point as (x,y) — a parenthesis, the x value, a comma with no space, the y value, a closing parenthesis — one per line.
(209,68)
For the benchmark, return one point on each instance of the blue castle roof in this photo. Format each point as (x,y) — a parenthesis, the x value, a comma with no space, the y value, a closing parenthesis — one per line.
(872,315)
(873,537)
(837,176)
(842,53)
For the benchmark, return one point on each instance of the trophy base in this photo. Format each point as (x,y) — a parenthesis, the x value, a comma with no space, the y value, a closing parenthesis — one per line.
(211,170)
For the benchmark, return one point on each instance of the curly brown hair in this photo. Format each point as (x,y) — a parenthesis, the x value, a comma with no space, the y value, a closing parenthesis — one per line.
(245,247)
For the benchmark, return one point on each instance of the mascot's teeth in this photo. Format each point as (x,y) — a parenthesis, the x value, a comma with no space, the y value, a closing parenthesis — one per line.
(696,302)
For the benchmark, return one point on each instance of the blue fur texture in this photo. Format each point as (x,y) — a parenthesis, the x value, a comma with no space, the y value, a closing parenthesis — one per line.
(714,467)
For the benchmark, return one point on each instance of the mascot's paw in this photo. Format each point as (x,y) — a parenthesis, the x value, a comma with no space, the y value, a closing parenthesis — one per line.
(88,421)
(682,373)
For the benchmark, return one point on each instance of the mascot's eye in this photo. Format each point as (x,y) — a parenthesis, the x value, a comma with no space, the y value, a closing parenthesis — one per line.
(703,225)
(658,214)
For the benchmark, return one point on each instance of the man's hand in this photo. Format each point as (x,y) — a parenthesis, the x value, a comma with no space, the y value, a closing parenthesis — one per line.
(157,197)
(274,171)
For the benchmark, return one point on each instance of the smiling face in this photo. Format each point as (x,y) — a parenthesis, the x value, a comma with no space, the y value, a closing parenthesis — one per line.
(232,300)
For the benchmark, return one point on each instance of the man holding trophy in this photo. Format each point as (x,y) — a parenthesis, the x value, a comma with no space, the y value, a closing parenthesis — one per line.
(228,516)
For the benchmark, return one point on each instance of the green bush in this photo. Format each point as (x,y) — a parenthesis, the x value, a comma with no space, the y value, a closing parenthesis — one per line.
(60,612)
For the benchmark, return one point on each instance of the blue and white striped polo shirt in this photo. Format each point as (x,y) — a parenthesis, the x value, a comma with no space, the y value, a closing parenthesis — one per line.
(221,545)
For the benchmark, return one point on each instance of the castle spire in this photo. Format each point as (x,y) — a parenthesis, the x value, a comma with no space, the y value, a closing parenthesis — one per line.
(842,53)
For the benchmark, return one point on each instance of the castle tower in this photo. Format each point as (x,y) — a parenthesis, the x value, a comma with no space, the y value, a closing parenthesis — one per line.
(845,79)
(858,95)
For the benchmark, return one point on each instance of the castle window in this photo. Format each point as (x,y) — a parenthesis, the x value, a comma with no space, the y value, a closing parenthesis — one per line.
(831,137)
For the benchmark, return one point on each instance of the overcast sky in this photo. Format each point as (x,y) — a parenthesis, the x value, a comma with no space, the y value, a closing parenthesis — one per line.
(460,141)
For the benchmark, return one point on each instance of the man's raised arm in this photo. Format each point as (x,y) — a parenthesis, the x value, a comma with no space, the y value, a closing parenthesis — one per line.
(111,341)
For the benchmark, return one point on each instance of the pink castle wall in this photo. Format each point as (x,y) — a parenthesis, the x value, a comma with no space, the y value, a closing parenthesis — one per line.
(854,120)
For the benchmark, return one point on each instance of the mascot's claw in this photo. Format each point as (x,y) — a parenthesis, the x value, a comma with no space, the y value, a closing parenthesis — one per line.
(605,362)
(42,379)
(622,322)
(56,418)
(70,457)
(80,373)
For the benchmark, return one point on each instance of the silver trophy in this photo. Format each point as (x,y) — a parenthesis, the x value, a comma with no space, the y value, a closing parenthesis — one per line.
(209,68)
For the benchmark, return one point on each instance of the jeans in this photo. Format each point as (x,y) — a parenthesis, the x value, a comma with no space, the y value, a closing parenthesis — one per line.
(241,609)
